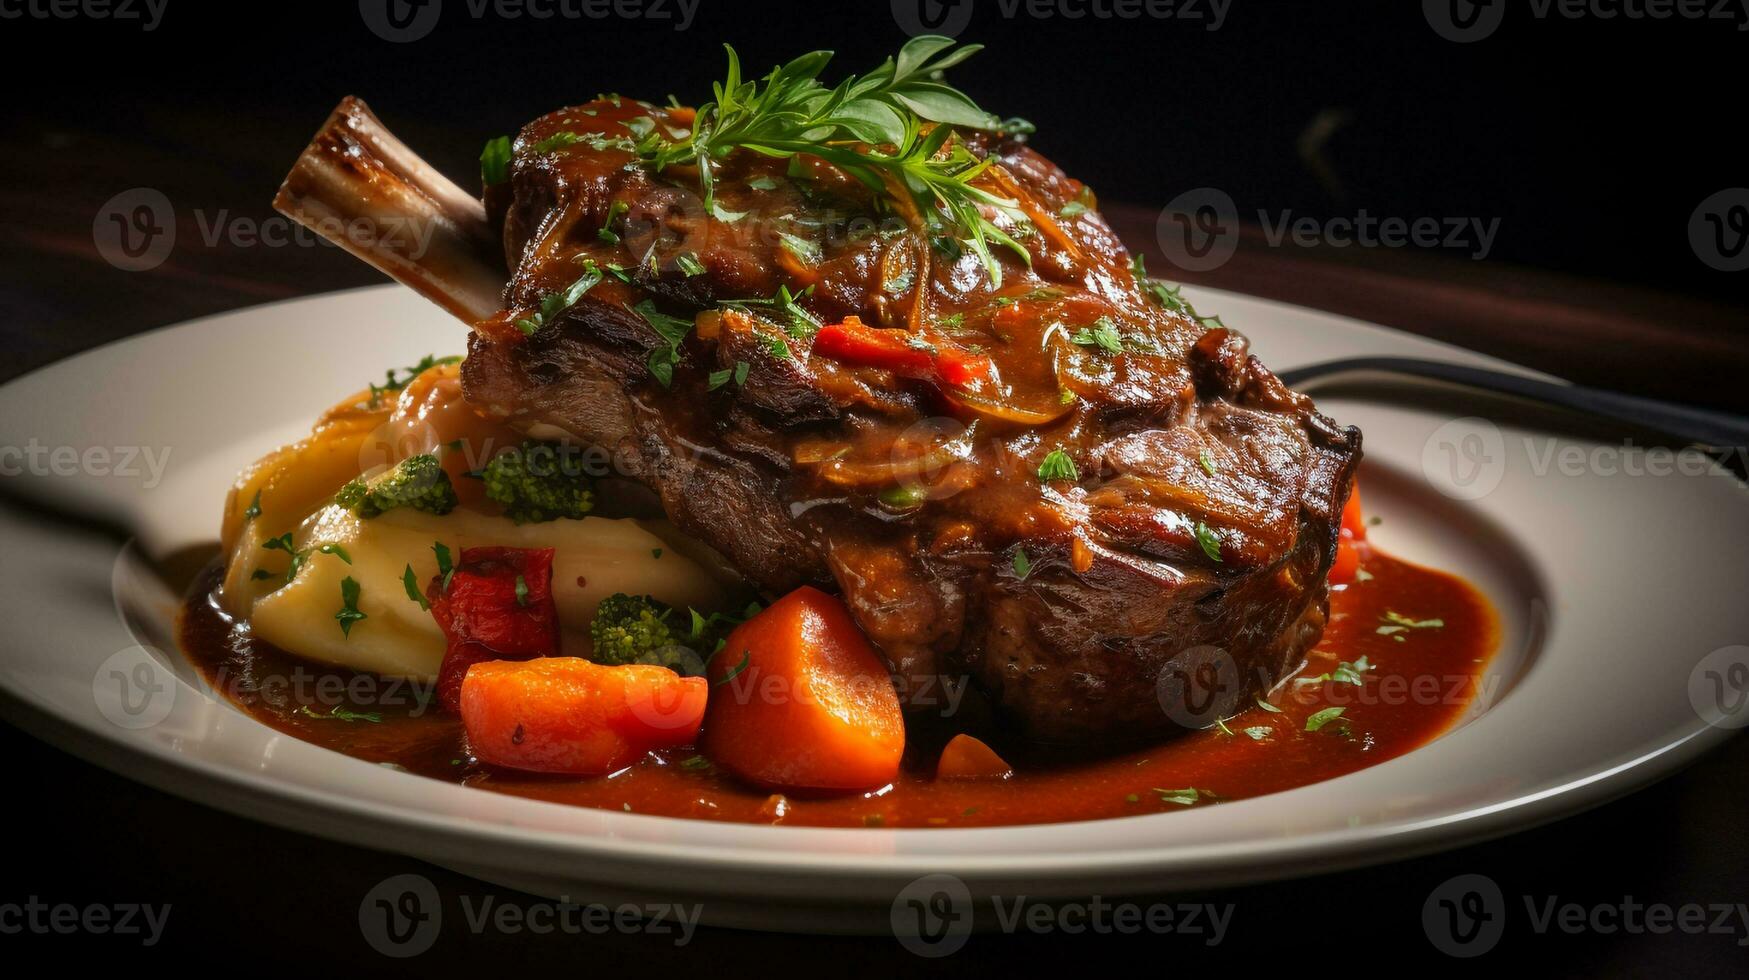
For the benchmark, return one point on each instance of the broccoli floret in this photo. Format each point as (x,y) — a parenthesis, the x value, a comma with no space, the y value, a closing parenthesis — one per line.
(536,482)
(632,629)
(629,628)
(418,482)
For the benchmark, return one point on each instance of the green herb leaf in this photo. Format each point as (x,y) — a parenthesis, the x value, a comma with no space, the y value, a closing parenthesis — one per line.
(1022,564)
(1207,459)
(254,509)
(348,613)
(445,564)
(806,251)
(395,379)
(785,305)
(1345,673)
(521,591)
(1259,732)
(594,141)
(1320,719)
(1397,623)
(1208,541)
(1266,706)
(735,671)
(281,543)
(495,161)
(1058,466)
(1182,797)
(341,714)
(852,126)
(689,264)
(411,581)
(1102,334)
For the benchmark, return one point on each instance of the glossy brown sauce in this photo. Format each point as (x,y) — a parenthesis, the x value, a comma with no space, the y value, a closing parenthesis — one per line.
(1423,679)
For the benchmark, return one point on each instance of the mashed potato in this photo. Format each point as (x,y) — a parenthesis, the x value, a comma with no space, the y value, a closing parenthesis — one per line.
(292,490)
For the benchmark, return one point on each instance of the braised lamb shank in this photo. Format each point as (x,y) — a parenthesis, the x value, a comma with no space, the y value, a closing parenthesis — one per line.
(1042,470)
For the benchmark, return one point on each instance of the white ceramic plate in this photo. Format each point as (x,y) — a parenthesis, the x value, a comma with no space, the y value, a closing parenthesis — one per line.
(1613,589)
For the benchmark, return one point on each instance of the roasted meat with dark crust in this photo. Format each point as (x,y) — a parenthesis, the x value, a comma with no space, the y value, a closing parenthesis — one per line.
(1187,499)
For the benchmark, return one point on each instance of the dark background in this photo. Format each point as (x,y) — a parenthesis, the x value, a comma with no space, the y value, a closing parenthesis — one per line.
(1591,141)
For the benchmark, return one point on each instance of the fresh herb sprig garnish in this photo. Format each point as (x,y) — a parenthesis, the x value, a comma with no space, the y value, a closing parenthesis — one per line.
(1169,296)
(394,379)
(875,127)
(553,304)
(799,324)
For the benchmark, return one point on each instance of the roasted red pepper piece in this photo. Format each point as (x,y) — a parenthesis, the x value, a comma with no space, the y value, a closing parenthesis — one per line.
(852,343)
(483,618)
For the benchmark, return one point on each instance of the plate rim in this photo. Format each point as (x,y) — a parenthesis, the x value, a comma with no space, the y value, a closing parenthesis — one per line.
(1258,859)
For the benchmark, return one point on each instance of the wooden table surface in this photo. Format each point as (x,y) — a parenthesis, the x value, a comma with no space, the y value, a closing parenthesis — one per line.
(244,894)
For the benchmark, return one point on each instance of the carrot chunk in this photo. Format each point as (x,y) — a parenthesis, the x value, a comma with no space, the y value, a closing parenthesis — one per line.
(568,715)
(801,700)
(1348,540)
(965,757)
(1353,521)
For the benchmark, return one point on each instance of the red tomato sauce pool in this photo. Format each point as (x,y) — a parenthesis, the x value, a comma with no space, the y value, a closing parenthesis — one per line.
(1402,659)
